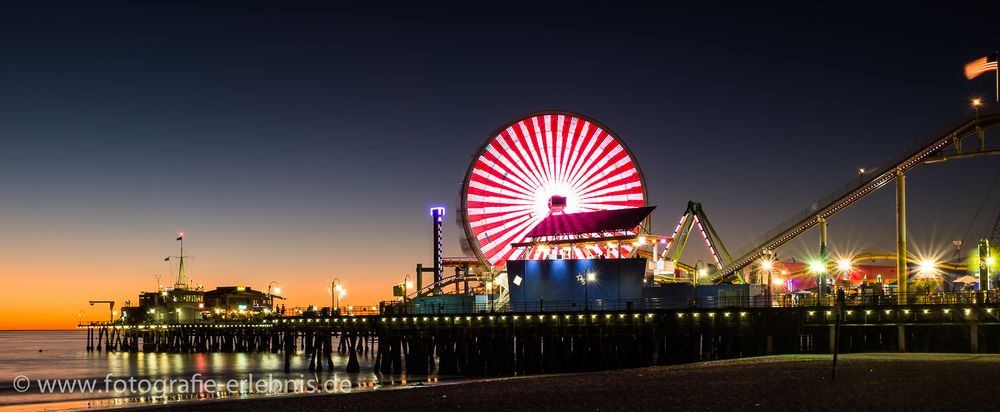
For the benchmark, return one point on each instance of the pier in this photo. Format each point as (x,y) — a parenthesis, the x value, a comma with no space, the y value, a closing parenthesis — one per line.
(495,344)
(589,287)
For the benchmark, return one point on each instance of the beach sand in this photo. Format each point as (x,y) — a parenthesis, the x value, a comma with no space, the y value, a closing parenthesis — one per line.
(884,381)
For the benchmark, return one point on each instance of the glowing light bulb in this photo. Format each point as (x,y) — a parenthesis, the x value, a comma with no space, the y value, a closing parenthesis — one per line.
(844,265)
(817,266)
(926,266)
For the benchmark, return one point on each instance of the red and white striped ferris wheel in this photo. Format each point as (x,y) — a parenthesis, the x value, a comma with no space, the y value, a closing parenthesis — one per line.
(528,162)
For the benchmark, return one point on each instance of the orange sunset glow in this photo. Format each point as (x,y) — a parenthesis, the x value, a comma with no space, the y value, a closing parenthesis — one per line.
(51,280)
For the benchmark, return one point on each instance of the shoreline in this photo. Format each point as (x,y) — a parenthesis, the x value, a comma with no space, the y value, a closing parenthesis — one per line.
(799,382)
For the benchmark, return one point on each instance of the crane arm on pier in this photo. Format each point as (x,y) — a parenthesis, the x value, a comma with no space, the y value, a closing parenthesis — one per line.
(111,307)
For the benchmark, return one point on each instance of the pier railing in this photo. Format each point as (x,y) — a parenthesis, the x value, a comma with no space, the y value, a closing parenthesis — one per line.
(698,302)
(603,305)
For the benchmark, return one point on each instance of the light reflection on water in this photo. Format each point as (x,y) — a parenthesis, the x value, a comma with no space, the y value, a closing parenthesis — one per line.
(61,355)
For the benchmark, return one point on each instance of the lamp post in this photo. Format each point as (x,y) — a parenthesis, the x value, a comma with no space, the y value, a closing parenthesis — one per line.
(861,176)
(818,267)
(159,288)
(976,104)
(489,293)
(699,271)
(767,265)
(788,286)
(585,280)
(270,298)
(335,289)
(407,284)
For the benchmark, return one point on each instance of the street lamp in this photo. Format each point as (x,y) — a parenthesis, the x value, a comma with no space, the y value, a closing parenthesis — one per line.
(270,298)
(786,282)
(861,176)
(976,104)
(585,280)
(818,267)
(489,293)
(927,267)
(844,265)
(767,265)
(699,271)
(407,284)
(336,292)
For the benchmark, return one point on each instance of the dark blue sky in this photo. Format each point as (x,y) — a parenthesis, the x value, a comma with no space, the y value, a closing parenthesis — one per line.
(278,129)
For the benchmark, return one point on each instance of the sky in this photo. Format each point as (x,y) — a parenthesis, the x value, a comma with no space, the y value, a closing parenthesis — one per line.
(299,142)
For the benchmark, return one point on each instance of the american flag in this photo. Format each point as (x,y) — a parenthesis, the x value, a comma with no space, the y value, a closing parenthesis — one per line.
(980,66)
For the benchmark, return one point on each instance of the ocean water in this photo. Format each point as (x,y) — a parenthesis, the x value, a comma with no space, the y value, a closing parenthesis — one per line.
(42,370)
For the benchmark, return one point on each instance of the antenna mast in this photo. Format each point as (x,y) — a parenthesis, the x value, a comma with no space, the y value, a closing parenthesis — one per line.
(181,278)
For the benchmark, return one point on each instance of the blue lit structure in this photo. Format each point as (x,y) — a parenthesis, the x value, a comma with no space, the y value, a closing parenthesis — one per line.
(438,214)
(534,282)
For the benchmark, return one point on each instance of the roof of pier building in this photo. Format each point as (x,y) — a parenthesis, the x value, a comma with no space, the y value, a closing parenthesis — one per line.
(601,221)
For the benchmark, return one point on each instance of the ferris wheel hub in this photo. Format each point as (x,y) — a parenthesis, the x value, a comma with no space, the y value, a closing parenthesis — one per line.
(557,204)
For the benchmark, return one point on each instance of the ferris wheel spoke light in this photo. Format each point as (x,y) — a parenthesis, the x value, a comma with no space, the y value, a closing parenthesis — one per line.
(542,164)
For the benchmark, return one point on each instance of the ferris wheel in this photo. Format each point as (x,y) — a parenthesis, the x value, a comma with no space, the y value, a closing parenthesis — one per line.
(544,163)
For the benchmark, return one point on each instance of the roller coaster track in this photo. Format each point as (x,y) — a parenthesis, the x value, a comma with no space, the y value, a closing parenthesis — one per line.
(445,282)
(942,147)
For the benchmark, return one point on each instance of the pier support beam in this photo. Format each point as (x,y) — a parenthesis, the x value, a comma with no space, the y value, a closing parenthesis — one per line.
(824,257)
(352,363)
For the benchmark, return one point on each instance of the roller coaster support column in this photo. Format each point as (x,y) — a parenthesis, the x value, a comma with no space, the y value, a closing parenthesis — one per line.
(984,270)
(824,258)
(901,273)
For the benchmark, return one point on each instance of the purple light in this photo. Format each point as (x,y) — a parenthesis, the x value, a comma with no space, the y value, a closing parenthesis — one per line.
(437,212)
